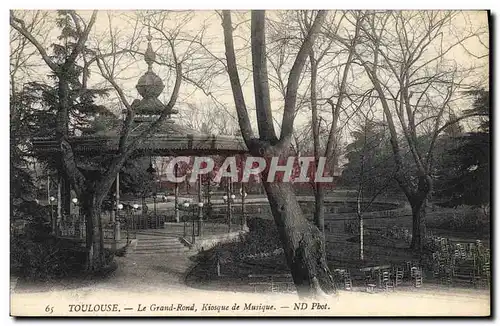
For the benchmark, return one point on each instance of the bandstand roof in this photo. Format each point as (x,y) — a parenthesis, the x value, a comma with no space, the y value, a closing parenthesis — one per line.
(171,139)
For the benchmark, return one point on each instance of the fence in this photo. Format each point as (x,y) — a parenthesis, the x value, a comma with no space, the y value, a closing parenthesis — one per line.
(146,221)
(75,227)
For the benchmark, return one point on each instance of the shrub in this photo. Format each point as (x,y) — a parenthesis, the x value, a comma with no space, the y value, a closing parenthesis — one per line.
(462,219)
(45,258)
(50,258)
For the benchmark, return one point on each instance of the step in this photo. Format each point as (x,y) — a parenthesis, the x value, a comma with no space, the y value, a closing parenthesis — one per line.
(161,248)
(158,254)
(158,240)
(163,252)
(152,242)
(161,244)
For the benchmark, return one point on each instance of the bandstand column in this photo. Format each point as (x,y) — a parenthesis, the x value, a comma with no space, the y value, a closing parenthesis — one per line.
(229,210)
(243,213)
(65,197)
(176,197)
(200,205)
(55,225)
(117,198)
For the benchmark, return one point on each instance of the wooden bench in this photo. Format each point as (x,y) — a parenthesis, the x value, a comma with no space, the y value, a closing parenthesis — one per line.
(371,281)
(370,287)
(272,282)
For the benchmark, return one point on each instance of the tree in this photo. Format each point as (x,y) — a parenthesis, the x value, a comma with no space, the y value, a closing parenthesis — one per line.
(91,191)
(22,122)
(327,74)
(331,147)
(369,167)
(463,173)
(405,57)
(302,241)
(207,119)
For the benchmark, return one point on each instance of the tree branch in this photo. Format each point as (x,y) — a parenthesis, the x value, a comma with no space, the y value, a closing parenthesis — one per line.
(294,77)
(260,77)
(19,25)
(232,70)
(81,42)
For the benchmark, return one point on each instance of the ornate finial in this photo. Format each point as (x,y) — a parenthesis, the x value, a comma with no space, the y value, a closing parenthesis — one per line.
(149,55)
(149,87)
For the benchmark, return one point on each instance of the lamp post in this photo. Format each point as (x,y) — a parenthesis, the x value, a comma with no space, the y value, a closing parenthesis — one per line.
(231,202)
(52,224)
(116,226)
(154,209)
(136,208)
(151,170)
(192,230)
(227,200)
(200,208)
(186,206)
(117,193)
(243,213)
(209,181)
(200,203)
(76,221)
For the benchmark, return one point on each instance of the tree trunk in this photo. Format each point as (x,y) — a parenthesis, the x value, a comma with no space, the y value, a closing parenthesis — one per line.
(418,204)
(91,209)
(418,221)
(359,212)
(361,238)
(319,208)
(302,242)
(66,196)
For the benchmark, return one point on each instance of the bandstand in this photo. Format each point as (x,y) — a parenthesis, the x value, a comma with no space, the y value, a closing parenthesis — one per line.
(170,139)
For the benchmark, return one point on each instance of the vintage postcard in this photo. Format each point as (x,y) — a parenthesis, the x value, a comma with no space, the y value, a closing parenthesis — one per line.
(249,163)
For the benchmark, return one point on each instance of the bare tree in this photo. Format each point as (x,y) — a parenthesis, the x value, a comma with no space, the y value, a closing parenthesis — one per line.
(316,55)
(302,241)
(92,191)
(405,56)
(207,119)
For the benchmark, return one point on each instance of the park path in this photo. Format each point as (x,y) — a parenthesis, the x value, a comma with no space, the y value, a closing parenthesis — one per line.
(160,261)
(157,276)
(157,261)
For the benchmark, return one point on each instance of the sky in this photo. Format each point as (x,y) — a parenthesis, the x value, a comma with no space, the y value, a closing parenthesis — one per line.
(214,92)
(457,4)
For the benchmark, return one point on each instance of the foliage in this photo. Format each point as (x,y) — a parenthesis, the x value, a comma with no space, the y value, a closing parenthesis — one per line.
(33,114)
(370,163)
(481,107)
(135,179)
(43,257)
(463,172)
(461,219)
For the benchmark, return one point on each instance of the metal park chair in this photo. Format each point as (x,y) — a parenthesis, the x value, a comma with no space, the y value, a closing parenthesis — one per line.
(416,274)
(399,277)
(387,282)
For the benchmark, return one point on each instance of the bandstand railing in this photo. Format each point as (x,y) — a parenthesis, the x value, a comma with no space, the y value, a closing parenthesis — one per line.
(75,227)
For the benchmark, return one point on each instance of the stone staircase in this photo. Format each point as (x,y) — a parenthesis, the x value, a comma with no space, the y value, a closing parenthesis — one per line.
(159,244)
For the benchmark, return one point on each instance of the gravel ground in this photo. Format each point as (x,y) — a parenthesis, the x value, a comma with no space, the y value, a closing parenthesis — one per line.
(148,280)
